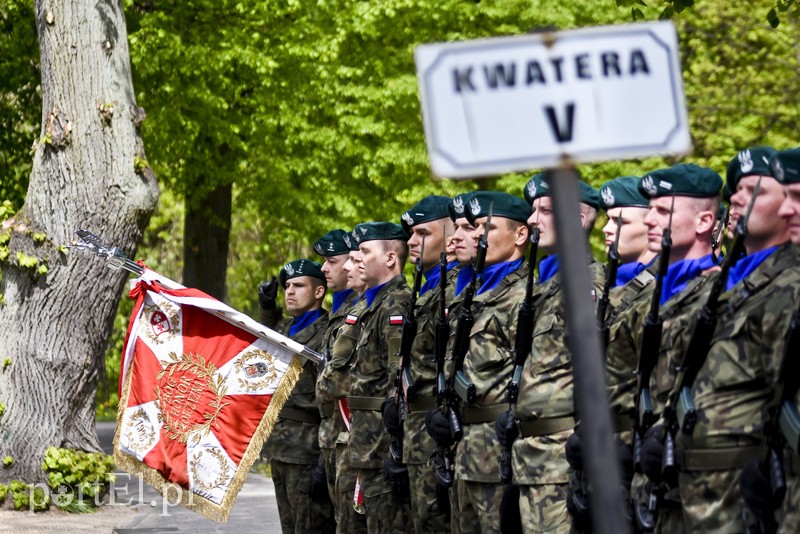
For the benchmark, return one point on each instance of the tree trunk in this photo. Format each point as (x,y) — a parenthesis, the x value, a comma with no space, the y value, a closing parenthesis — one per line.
(206,234)
(89,171)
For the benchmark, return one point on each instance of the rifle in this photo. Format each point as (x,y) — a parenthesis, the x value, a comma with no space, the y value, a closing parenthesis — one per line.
(462,385)
(404,383)
(648,356)
(718,237)
(522,347)
(443,463)
(611,278)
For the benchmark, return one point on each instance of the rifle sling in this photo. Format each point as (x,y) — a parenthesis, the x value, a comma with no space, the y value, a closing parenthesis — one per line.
(300,416)
(720,459)
(326,409)
(369,404)
(545,426)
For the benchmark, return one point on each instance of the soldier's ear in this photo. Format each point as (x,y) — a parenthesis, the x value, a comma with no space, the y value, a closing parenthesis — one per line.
(705,222)
(521,235)
(319,292)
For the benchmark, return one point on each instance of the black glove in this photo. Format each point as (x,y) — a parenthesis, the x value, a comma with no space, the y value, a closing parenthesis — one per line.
(625,459)
(396,475)
(506,429)
(319,484)
(756,490)
(574,450)
(653,453)
(391,418)
(267,293)
(438,426)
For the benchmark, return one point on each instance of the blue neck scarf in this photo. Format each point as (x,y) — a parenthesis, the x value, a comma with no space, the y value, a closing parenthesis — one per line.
(304,320)
(338,299)
(747,265)
(494,274)
(628,271)
(464,278)
(372,292)
(548,268)
(432,277)
(681,273)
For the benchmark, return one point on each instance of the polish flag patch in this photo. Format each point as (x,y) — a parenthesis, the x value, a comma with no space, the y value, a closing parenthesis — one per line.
(396,320)
(351,319)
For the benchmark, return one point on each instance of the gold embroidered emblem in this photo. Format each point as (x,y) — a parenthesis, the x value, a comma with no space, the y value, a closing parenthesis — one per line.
(259,368)
(139,432)
(223,475)
(159,323)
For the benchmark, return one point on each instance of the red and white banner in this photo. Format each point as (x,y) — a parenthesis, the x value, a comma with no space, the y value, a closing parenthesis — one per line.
(201,387)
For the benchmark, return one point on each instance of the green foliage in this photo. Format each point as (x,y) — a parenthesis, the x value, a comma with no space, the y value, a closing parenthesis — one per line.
(26,261)
(22,493)
(8,461)
(77,477)
(2,409)
(6,363)
(3,493)
(20,99)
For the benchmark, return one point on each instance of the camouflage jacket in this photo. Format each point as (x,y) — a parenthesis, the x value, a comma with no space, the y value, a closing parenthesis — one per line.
(374,371)
(330,424)
(294,441)
(734,388)
(546,387)
(621,354)
(417,443)
(488,365)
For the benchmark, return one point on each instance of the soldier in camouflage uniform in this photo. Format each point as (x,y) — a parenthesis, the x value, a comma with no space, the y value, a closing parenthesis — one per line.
(293,447)
(733,387)
(696,200)
(463,244)
(332,247)
(626,207)
(545,408)
(427,221)
(333,385)
(380,260)
(787,167)
(489,361)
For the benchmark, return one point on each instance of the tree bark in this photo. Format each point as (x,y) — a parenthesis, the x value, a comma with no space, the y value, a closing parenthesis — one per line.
(89,172)
(206,234)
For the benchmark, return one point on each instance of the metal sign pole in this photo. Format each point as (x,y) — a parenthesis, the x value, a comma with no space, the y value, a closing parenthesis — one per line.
(590,389)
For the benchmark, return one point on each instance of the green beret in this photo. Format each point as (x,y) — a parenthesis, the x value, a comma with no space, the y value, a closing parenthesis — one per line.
(786,166)
(753,161)
(726,194)
(331,244)
(503,205)
(301,267)
(538,187)
(622,192)
(457,206)
(430,208)
(378,231)
(684,179)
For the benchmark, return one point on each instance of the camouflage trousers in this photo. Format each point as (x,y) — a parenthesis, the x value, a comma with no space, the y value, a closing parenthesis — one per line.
(329,463)
(384,512)
(669,518)
(348,521)
(711,501)
(426,514)
(789,514)
(476,507)
(543,508)
(298,512)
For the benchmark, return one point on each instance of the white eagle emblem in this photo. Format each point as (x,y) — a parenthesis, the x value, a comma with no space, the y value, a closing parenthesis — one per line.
(745,160)
(475,207)
(458,205)
(346,239)
(318,248)
(649,186)
(289,269)
(408,219)
(532,188)
(777,169)
(608,196)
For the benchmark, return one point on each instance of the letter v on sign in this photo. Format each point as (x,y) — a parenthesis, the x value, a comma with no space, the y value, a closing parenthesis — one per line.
(561,131)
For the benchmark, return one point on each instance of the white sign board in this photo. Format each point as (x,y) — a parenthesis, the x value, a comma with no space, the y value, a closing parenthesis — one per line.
(528,102)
